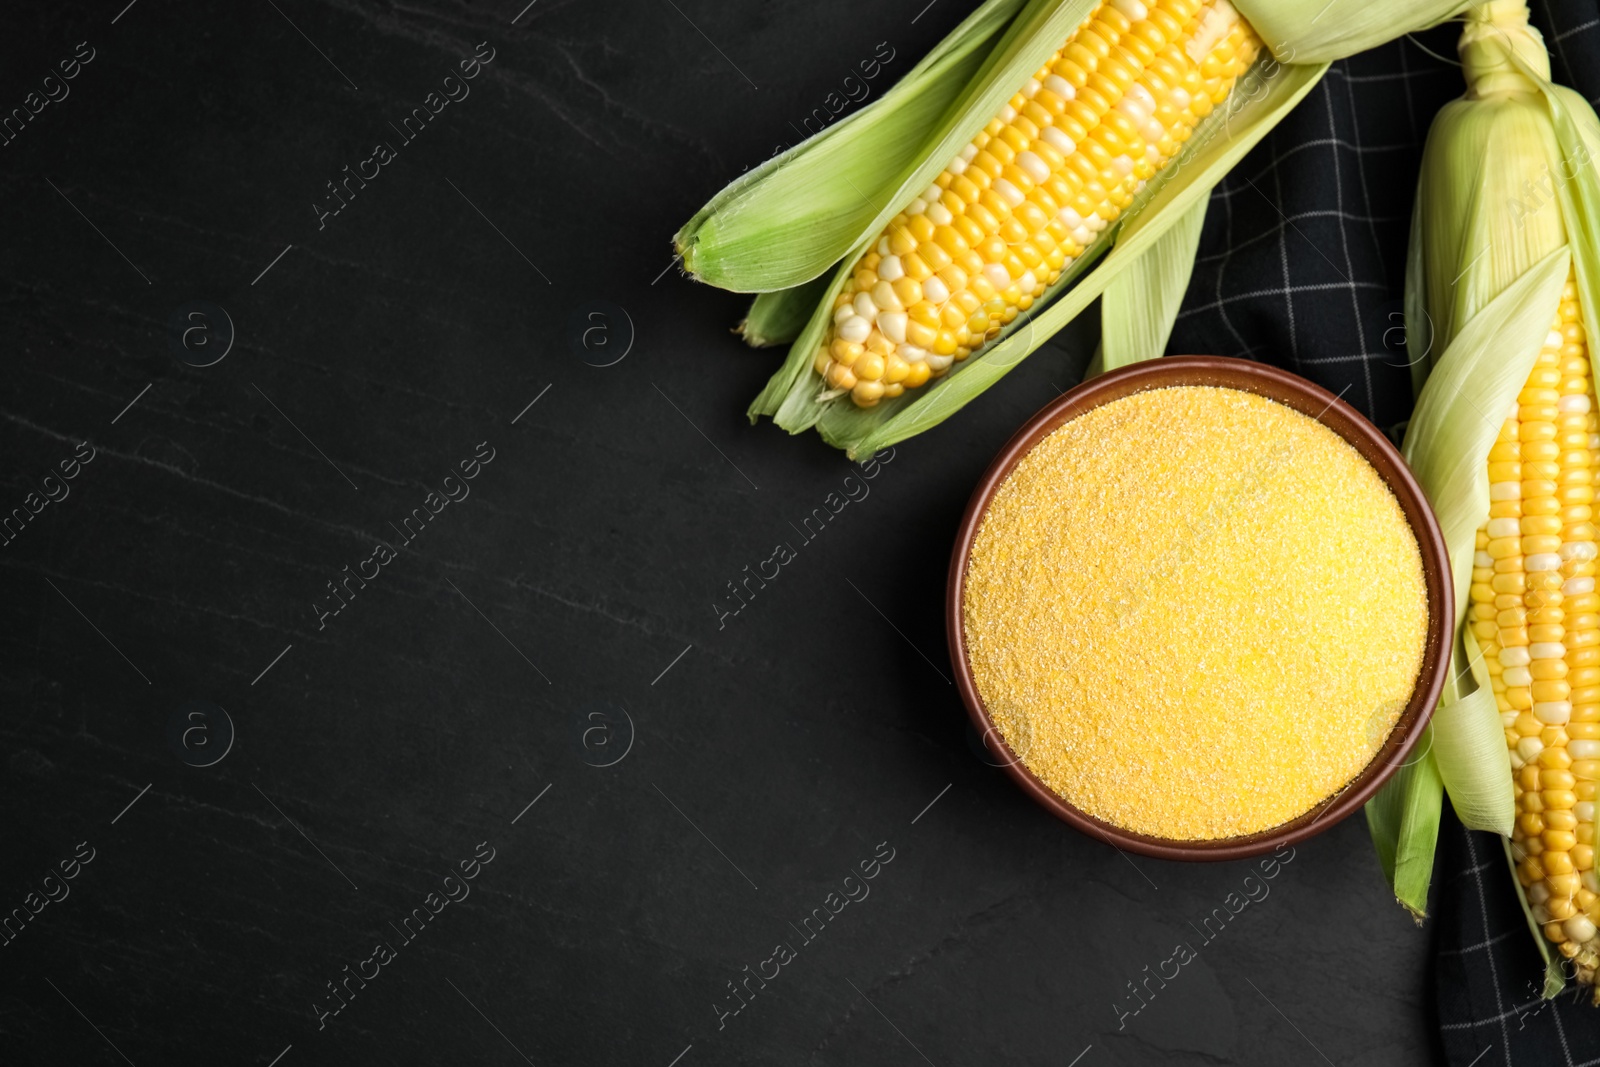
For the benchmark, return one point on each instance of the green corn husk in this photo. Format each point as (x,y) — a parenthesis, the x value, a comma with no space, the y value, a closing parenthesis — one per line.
(1507,203)
(791,220)
(1403,820)
(1320,32)
(1140,306)
(777,318)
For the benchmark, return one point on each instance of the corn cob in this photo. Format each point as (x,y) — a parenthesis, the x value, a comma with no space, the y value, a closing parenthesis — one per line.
(1503,280)
(818,211)
(1536,616)
(1059,163)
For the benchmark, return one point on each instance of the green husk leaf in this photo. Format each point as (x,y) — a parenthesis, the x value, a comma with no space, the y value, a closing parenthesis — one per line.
(1470,746)
(1419,326)
(777,318)
(1555,979)
(1317,31)
(1577,185)
(1140,306)
(1473,240)
(1261,98)
(1403,820)
(790,219)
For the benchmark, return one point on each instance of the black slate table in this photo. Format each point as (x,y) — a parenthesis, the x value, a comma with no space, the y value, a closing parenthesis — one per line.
(385,682)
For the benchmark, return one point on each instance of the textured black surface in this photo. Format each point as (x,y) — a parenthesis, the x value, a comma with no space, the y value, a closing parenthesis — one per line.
(772,751)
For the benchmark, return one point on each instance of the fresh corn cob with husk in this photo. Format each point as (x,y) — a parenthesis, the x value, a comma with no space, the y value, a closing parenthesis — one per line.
(1089,130)
(1504,276)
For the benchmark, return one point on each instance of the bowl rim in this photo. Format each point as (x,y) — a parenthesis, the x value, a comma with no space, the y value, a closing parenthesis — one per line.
(1299,394)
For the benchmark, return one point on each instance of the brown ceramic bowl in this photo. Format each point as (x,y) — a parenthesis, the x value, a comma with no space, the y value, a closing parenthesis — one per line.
(1304,397)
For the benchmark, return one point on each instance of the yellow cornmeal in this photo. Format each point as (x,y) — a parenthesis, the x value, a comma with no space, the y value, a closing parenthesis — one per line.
(1195,612)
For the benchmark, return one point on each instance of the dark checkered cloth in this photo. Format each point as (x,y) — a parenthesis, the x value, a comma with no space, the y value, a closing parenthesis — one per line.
(1302,264)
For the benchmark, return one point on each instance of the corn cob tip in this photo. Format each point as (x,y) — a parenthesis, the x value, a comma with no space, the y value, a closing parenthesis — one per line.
(753,337)
(1493,32)
(683,255)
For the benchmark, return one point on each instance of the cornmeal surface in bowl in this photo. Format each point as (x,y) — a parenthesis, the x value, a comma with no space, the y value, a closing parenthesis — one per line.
(1194,612)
